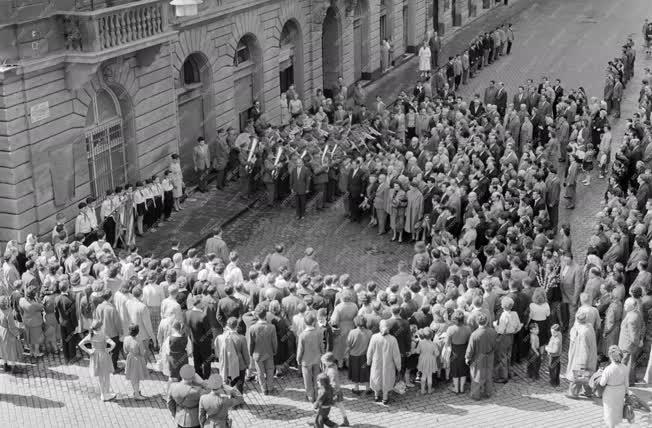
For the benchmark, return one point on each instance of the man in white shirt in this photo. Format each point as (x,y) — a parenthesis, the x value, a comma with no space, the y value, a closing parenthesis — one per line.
(232,273)
(101,246)
(85,224)
(153,297)
(169,306)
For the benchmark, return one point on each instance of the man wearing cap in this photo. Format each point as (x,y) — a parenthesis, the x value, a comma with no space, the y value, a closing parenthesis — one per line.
(214,406)
(262,348)
(183,398)
(307,263)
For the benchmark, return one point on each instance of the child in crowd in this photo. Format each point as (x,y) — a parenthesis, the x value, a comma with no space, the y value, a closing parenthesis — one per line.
(135,365)
(329,366)
(428,353)
(553,348)
(534,356)
(324,402)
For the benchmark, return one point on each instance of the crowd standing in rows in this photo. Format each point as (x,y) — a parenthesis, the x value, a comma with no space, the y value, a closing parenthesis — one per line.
(493,281)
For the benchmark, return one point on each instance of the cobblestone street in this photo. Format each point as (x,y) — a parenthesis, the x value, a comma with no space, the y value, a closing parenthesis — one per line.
(567,39)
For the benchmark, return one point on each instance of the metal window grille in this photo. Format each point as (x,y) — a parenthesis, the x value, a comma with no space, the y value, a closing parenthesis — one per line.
(106,157)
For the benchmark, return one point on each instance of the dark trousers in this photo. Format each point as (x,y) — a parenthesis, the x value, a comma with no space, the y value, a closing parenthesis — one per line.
(301,205)
(331,189)
(202,176)
(168,203)
(89,238)
(509,47)
(434,60)
(458,81)
(221,178)
(158,212)
(354,207)
(69,341)
(320,195)
(554,369)
(109,230)
(202,360)
(115,354)
(238,382)
(322,418)
(553,212)
(533,365)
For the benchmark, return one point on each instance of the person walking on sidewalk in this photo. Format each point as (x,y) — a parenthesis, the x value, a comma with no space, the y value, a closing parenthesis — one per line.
(435,47)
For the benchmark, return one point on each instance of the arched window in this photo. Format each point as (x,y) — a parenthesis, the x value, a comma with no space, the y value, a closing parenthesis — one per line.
(107,162)
(242,52)
(190,71)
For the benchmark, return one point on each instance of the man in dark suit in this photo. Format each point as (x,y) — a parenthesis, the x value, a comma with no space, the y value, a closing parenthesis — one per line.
(201,336)
(255,111)
(229,307)
(476,109)
(553,193)
(520,98)
(300,184)
(501,99)
(66,314)
(490,93)
(356,188)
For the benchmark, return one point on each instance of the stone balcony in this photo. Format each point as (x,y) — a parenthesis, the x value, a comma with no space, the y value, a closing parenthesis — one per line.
(84,39)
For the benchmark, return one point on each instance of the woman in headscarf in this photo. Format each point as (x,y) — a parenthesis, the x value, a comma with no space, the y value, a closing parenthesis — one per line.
(582,356)
(413,210)
(384,360)
(342,322)
(615,382)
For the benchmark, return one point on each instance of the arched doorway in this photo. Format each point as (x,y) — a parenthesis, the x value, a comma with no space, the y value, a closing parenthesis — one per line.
(247,77)
(361,40)
(195,107)
(290,57)
(105,143)
(331,42)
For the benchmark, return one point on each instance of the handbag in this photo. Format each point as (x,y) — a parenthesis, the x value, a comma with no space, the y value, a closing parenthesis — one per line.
(628,413)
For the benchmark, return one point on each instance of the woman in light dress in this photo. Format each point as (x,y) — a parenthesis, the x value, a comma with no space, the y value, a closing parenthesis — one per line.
(424,60)
(176,175)
(32,312)
(10,347)
(384,360)
(615,381)
(285,110)
(135,365)
(100,365)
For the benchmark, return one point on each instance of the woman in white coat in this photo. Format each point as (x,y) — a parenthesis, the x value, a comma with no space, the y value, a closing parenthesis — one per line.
(424,60)
(384,360)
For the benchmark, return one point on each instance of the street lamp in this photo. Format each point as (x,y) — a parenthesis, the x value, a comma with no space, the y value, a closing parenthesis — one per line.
(185,7)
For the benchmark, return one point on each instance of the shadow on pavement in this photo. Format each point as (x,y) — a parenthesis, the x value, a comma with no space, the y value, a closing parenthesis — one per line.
(30,401)
(530,404)
(278,412)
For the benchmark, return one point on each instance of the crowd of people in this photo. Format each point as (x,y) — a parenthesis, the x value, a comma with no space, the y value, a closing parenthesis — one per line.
(493,281)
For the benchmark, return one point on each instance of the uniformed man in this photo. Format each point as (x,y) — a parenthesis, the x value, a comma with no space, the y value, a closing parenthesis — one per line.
(183,398)
(214,406)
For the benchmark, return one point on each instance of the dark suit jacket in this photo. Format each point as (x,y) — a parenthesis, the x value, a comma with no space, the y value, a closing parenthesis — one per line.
(300,183)
(200,331)
(400,329)
(501,98)
(228,307)
(65,311)
(358,183)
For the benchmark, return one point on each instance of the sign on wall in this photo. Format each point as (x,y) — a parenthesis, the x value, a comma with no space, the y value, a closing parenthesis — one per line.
(39,112)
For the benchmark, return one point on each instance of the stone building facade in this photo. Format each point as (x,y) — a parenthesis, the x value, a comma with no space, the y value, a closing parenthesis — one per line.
(98,93)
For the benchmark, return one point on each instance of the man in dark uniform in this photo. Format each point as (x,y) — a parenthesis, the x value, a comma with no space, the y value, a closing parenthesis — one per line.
(183,399)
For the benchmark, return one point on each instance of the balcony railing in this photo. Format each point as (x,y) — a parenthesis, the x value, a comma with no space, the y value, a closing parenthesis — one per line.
(108,28)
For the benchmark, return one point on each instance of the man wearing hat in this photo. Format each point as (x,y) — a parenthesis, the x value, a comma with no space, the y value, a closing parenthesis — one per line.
(307,263)
(214,406)
(183,398)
